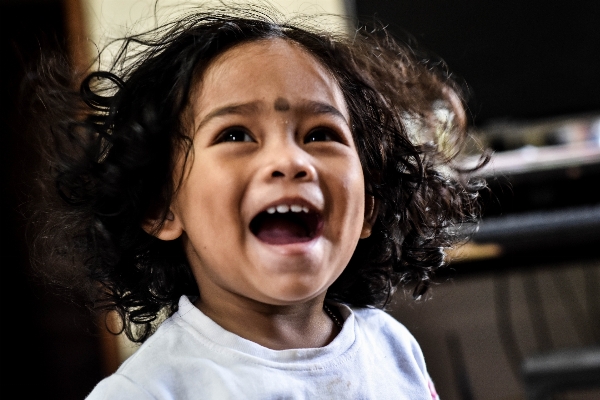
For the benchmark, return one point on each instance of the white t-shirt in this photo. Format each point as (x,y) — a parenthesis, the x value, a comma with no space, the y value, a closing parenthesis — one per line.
(191,357)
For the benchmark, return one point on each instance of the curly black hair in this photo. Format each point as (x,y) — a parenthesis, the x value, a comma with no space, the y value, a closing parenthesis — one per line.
(111,150)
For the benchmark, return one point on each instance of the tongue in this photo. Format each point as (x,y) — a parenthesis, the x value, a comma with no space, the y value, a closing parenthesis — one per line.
(281,231)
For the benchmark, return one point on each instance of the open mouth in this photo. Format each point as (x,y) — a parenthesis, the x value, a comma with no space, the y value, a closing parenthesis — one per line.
(281,225)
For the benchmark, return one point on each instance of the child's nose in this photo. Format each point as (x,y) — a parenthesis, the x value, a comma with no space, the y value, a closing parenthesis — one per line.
(289,161)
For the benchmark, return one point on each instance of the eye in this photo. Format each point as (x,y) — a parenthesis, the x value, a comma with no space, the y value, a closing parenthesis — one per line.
(235,134)
(321,134)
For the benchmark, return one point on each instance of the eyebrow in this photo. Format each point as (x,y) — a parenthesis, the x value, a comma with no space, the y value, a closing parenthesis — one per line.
(235,109)
(316,107)
(307,106)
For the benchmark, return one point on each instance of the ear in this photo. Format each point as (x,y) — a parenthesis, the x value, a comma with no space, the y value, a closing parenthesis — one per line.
(371,209)
(171,227)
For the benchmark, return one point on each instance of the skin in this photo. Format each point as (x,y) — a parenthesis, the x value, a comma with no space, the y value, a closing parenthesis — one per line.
(270,126)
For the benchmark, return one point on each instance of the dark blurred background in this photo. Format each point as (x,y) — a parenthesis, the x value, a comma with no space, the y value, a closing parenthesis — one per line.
(523,59)
(50,346)
(526,286)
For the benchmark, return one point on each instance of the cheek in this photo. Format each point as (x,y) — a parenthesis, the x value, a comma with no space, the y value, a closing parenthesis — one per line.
(208,203)
(348,200)
(354,187)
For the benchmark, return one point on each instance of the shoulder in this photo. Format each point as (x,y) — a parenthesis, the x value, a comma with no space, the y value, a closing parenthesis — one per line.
(385,336)
(131,381)
(118,387)
(159,363)
(181,357)
(380,330)
(380,322)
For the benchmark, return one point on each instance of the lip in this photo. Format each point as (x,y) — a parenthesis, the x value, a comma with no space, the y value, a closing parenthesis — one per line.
(290,249)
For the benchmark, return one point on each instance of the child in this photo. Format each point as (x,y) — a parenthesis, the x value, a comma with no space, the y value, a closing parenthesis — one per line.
(267,186)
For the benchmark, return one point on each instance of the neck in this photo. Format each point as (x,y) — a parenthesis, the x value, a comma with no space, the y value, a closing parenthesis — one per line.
(304,325)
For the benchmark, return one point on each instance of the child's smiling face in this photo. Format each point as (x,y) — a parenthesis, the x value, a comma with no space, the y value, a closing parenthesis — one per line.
(271,132)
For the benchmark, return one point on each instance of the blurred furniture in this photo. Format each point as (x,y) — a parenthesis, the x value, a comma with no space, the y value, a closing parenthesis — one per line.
(542,206)
(554,372)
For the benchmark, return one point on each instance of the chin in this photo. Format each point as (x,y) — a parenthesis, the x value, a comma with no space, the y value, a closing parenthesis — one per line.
(295,292)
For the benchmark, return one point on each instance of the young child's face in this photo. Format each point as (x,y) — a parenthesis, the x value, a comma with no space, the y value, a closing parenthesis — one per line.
(271,141)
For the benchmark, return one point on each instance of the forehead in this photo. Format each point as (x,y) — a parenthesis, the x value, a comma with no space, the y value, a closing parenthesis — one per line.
(278,72)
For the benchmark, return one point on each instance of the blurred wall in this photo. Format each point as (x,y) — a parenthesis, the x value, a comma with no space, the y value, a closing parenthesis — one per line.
(109,19)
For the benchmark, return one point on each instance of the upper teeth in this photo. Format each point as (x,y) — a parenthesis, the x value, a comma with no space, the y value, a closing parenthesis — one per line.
(283,208)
